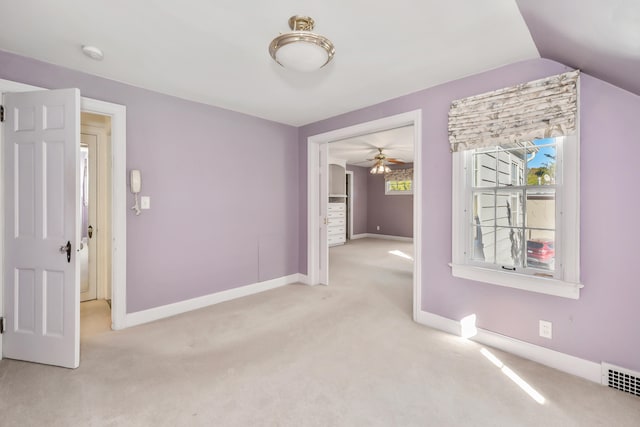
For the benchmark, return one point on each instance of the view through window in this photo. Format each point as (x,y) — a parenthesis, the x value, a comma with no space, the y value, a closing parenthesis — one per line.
(514,199)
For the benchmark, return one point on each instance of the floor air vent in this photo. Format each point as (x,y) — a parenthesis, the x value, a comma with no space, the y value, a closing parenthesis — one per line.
(621,379)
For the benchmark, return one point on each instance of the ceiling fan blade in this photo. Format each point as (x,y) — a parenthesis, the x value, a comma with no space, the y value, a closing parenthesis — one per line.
(395,161)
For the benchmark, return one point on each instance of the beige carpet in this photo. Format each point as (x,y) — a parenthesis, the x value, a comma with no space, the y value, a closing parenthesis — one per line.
(344,355)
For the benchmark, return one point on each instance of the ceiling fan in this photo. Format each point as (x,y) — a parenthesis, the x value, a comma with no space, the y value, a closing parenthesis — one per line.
(382,157)
(380,167)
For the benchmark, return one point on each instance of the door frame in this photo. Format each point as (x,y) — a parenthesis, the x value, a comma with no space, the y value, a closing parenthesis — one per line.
(350,204)
(315,200)
(118,114)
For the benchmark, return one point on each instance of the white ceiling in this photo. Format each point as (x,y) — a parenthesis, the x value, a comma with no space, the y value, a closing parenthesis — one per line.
(215,52)
(396,143)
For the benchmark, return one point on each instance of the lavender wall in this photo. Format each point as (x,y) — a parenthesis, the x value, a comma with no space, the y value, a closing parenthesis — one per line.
(360,197)
(602,324)
(372,207)
(393,213)
(218,220)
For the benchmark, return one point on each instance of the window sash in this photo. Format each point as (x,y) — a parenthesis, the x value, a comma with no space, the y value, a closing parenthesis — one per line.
(517,227)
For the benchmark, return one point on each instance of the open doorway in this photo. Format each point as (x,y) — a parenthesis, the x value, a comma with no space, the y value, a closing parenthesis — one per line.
(319,154)
(375,173)
(66,353)
(95,253)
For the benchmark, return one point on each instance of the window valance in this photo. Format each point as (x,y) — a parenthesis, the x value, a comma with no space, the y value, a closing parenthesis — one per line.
(399,175)
(539,109)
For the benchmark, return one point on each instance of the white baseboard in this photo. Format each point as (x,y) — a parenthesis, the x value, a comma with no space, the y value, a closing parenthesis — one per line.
(156,313)
(359,236)
(381,236)
(591,371)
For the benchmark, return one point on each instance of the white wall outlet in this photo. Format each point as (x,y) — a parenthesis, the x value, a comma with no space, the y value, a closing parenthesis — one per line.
(145,202)
(545,329)
(378,227)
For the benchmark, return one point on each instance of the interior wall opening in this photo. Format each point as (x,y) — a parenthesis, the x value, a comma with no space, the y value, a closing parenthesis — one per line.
(96,198)
(370,229)
(318,192)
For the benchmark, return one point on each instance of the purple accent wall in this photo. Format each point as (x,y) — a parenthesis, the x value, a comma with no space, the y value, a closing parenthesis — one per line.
(371,207)
(602,324)
(219,219)
(393,213)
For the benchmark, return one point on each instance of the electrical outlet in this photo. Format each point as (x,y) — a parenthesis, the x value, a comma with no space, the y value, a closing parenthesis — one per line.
(378,227)
(545,329)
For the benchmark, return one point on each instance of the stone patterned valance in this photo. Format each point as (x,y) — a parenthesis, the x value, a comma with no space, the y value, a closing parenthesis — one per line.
(539,109)
(399,175)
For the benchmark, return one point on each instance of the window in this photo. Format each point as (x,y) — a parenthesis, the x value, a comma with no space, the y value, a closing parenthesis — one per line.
(517,215)
(514,220)
(399,181)
(516,192)
(398,187)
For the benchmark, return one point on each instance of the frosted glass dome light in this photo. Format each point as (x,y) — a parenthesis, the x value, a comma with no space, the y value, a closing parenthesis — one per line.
(300,49)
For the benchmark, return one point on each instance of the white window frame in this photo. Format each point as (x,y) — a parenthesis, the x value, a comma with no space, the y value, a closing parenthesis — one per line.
(567,284)
(389,192)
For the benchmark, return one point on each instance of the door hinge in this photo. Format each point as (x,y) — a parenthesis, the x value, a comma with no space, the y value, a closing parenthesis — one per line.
(1,113)
(1,325)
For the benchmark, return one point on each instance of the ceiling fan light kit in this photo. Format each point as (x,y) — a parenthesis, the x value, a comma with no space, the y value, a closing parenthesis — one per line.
(300,49)
(379,168)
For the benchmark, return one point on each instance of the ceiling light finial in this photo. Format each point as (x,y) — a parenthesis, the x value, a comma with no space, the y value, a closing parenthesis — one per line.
(300,49)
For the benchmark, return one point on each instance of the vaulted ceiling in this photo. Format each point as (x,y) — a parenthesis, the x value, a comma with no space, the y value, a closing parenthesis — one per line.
(215,52)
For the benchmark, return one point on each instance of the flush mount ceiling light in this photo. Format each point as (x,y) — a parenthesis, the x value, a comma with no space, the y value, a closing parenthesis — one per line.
(93,52)
(300,49)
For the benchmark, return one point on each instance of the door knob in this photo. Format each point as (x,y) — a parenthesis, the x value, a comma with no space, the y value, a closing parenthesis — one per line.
(66,248)
(90,231)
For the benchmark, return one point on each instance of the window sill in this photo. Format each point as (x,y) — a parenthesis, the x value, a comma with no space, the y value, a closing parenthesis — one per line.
(518,281)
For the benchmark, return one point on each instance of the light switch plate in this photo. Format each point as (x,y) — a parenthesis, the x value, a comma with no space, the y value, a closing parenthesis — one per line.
(145,202)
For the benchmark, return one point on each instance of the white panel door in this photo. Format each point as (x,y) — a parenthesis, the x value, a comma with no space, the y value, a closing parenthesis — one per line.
(42,277)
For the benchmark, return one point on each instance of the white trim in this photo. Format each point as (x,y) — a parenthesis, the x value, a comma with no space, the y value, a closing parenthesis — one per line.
(118,115)
(586,369)
(350,203)
(541,285)
(156,313)
(359,236)
(382,237)
(313,221)
(567,284)
(313,206)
